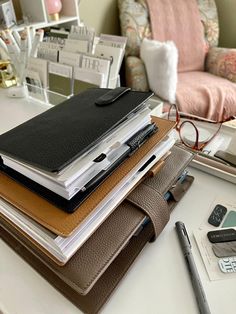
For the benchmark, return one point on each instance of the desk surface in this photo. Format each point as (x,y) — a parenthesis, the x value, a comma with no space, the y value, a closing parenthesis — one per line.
(158,281)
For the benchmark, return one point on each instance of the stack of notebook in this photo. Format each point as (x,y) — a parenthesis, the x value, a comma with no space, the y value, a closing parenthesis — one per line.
(65,173)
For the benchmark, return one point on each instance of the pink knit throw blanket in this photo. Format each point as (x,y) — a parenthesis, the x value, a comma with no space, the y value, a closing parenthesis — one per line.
(206,95)
(179,21)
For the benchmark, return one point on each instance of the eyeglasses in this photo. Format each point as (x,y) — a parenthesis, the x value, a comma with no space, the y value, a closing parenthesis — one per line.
(191,135)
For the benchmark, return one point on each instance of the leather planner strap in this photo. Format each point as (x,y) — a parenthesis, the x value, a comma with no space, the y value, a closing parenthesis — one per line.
(153,204)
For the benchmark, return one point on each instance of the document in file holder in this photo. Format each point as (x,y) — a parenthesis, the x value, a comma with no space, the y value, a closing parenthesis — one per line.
(73,178)
(54,139)
(63,248)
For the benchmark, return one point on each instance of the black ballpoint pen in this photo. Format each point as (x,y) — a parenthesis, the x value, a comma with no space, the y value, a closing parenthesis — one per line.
(196,282)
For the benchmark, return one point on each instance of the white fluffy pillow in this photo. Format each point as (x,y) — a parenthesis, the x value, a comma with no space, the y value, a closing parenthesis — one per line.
(161,61)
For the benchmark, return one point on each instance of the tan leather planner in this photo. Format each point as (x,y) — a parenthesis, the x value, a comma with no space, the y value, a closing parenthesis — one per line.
(60,222)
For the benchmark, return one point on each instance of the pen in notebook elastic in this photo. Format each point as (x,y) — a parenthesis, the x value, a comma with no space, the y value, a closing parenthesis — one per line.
(132,145)
(179,181)
(182,176)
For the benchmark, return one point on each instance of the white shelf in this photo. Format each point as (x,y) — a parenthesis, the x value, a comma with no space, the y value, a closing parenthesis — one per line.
(62,20)
(38,17)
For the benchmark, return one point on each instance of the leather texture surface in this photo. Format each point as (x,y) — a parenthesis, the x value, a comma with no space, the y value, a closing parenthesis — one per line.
(177,161)
(59,221)
(97,267)
(102,290)
(93,258)
(153,205)
(58,136)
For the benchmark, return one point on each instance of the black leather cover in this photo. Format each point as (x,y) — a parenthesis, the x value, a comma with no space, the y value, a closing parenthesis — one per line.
(55,138)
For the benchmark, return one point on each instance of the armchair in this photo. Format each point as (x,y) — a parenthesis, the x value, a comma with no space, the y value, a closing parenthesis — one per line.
(207,90)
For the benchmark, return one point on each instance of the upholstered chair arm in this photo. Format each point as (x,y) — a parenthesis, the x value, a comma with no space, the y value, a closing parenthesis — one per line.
(136,77)
(222,62)
(134,23)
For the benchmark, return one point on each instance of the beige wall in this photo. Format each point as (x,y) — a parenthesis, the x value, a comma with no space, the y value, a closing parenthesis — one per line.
(100,14)
(103,16)
(227,18)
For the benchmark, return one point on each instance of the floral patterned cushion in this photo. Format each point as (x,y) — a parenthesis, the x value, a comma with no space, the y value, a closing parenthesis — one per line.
(134,24)
(134,20)
(209,18)
(222,62)
(136,74)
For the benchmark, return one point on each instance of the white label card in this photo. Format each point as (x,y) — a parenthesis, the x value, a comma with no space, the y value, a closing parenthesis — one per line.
(60,69)
(41,67)
(72,45)
(69,58)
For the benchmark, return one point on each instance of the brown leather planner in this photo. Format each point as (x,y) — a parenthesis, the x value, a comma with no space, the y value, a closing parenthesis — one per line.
(91,275)
(60,222)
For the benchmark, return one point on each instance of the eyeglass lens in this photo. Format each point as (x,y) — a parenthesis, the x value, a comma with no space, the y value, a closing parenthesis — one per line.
(192,134)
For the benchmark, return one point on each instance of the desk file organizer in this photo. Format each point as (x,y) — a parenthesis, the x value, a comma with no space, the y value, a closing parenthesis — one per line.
(89,278)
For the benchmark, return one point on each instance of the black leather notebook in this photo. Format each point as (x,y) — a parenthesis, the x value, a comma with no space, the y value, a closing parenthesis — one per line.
(70,205)
(55,138)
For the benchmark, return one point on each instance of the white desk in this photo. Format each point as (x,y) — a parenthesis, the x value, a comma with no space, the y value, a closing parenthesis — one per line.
(158,281)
